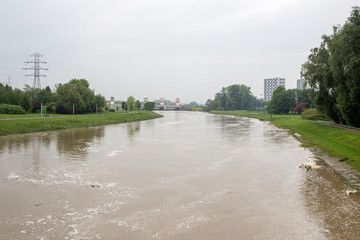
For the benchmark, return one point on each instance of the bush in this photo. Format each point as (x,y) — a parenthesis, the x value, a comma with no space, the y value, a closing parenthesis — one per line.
(219,109)
(60,108)
(111,110)
(313,114)
(11,109)
(301,107)
(49,109)
(36,105)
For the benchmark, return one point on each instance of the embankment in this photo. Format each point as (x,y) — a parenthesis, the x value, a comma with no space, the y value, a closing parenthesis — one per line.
(27,125)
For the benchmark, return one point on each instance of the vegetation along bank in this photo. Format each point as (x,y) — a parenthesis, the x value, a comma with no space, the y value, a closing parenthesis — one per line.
(27,125)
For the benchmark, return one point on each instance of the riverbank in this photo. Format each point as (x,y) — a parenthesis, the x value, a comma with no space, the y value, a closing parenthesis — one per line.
(34,124)
(340,144)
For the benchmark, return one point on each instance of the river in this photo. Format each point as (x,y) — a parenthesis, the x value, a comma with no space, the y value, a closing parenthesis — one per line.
(188,175)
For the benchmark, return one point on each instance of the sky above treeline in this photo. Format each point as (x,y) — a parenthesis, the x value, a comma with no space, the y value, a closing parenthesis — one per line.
(187,49)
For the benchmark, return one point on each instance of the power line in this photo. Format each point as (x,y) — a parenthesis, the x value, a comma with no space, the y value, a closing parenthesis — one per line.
(8,81)
(37,68)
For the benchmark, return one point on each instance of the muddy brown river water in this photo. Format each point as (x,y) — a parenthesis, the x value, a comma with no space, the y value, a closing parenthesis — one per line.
(184,176)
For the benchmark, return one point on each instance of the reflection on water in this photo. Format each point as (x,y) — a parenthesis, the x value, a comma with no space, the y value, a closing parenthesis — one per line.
(132,129)
(74,144)
(184,176)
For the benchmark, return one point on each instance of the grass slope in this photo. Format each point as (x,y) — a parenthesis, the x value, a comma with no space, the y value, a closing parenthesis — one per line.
(335,142)
(15,126)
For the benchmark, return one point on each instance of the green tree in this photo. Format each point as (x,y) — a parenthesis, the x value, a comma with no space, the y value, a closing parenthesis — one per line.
(149,106)
(215,104)
(194,104)
(234,97)
(123,105)
(46,96)
(333,71)
(76,92)
(137,104)
(130,103)
(282,101)
(304,96)
(100,101)
(222,97)
(25,102)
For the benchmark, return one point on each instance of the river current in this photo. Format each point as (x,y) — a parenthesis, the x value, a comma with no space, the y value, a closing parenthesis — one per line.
(188,175)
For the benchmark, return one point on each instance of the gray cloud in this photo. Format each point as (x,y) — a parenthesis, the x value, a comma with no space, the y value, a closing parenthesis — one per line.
(187,49)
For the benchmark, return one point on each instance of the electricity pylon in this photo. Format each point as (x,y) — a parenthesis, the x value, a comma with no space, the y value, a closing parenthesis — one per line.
(37,68)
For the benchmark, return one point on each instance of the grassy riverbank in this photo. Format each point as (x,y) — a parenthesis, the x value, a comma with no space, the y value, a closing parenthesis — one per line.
(332,141)
(33,124)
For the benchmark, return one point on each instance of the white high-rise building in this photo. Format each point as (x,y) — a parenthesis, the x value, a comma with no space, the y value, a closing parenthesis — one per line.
(301,84)
(270,84)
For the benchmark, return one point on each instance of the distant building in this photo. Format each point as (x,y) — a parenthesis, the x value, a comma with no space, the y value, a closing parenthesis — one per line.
(270,84)
(112,102)
(301,84)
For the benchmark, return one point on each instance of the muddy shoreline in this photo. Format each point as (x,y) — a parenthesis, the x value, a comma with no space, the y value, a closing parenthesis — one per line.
(347,172)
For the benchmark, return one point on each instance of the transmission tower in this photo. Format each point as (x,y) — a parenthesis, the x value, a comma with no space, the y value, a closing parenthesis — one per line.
(37,68)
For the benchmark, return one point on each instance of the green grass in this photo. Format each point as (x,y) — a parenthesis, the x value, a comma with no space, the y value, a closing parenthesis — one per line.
(32,124)
(332,141)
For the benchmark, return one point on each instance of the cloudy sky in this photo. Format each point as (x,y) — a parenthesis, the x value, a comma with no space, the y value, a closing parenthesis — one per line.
(164,48)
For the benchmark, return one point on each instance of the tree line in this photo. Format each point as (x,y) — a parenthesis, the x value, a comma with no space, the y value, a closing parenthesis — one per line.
(333,72)
(234,97)
(74,96)
(240,97)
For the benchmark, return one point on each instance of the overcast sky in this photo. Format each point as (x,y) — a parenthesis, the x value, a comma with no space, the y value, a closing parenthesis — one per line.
(164,48)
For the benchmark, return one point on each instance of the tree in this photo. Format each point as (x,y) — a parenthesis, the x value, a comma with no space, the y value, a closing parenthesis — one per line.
(46,96)
(208,105)
(149,106)
(76,92)
(3,95)
(282,101)
(137,104)
(123,105)
(25,102)
(233,97)
(304,96)
(333,71)
(36,105)
(130,103)
(300,107)
(194,104)
(222,97)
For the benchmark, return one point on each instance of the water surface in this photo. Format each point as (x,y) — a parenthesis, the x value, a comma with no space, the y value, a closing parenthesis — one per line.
(184,176)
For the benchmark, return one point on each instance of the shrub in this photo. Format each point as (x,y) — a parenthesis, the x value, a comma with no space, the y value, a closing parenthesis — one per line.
(11,109)
(313,114)
(111,110)
(301,107)
(49,109)
(36,105)
(219,109)
(60,108)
